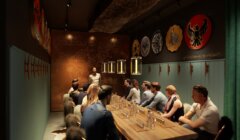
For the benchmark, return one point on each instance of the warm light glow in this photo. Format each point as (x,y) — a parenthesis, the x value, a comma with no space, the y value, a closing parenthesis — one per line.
(113,40)
(111,67)
(104,67)
(136,66)
(69,36)
(92,38)
(121,66)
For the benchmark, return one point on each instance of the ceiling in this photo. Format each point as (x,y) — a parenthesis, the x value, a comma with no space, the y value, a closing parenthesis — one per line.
(108,16)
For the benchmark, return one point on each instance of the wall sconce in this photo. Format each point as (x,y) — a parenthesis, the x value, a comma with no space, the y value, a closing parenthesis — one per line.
(136,65)
(104,67)
(121,66)
(111,66)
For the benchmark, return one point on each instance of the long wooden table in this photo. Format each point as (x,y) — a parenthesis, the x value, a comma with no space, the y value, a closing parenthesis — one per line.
(132,126)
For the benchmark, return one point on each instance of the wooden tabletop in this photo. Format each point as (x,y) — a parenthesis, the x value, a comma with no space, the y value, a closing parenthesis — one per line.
(134,125)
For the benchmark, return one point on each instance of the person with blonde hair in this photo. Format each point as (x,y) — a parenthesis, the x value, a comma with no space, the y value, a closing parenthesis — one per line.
(97,121)
(174,107)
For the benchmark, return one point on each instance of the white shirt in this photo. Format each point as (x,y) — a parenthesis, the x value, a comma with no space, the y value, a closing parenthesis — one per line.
(209,113)
(70,90)
(95,79)
(134,95)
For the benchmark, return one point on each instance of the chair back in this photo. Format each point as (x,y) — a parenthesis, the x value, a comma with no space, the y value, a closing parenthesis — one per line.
(225,129)
(186,107)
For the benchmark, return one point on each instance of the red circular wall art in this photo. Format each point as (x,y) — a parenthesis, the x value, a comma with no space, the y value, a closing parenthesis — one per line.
(198,31)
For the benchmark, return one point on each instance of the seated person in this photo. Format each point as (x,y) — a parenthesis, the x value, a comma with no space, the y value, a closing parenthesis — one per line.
(91,97)
(134,94)
(74,133)
(82,93)
(72,120)
(97,120)
(127,87)
(147,94)
(68,106)
(207,115)
(174,107)
(74,83)
(158,101)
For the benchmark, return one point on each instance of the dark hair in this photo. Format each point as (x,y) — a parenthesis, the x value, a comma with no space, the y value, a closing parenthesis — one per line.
(156,85)
(73,133)
(201,89)
(85,86)
(129,81)
(74,80)
(72,120)
(105,91)
(148,85)
(68,106)
(135,83)
(75,86)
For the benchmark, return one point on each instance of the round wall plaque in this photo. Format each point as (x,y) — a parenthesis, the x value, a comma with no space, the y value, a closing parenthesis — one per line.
(145,46)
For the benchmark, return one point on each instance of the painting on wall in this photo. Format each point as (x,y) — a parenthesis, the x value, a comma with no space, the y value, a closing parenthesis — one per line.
(198,31)
(157,42)
(174,38)
(136,48)
(145,46)
(39,28)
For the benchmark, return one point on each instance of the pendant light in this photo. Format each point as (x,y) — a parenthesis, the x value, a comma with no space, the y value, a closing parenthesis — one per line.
(136,65)
(121,66)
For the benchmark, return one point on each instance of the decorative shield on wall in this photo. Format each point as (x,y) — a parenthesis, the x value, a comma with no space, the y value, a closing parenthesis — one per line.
(157,42)
(174,38)
(145,46)
(198,31)
(135,48)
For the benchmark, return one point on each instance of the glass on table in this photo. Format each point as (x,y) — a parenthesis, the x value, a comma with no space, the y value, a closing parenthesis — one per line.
(151,119)
(160,120)
(140,123)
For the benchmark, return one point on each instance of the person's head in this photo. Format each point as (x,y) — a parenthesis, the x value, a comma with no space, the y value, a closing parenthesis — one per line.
(75,84)
(94,70)
(135,83)
(105,94)
(85,86)
(170,90)
(92,95)
(155,86)
(68,106)
(74,133)
(199,94)
(93,89)
(72,120)
(146,85)
(127,82)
